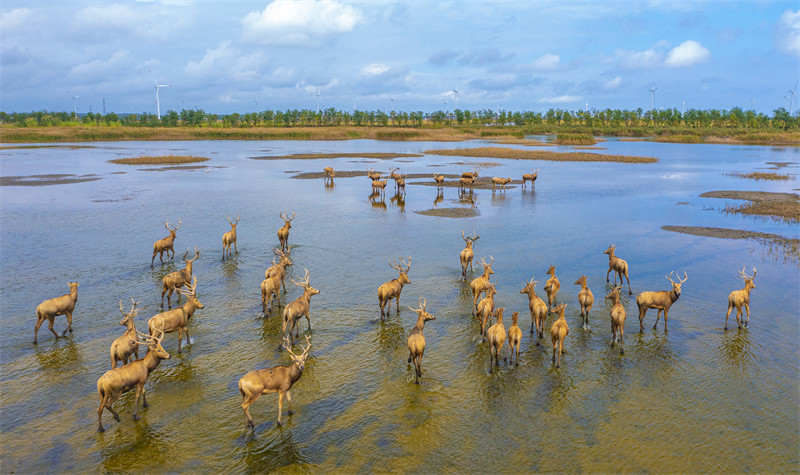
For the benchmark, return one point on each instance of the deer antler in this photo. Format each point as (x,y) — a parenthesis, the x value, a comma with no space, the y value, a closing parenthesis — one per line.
(533,282)
(190,288)
(399,267)
(422,303)
(685,279)
(304,282)
(307,348)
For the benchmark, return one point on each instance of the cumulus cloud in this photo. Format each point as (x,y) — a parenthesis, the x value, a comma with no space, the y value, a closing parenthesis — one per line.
(650,58)
(787,33)
(546,63)
(298,22)
(612,84)
(374,69)
(686,54)
(225,63)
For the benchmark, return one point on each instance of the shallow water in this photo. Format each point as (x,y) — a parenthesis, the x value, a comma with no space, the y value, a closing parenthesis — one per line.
(696,399)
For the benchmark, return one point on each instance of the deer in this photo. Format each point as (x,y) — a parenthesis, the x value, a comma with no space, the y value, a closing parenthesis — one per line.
(538,309)
(379,186)
(126,345)
(400,184)
(177,279)
(497,336)
(230,238)
(465,182)
(439,179)
(298,308)
(473,174)
(551,287)
(485,308)
(50,309)
(270,286)
(558,331)
(165,245)
(619,266)
(373,175)
(618,314)
(481,283)
(178,317)
(278,379)
(283,232)
(116,381)
(500,181)
(514,337)
(467,254)
(279,268)
(741,298)
(393,174)
(391,290)
(329,174)
(530,177)
(416,340)
(661,300)
(586,300)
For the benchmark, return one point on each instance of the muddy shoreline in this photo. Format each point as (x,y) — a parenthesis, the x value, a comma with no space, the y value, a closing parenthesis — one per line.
(779,206)
(789,247)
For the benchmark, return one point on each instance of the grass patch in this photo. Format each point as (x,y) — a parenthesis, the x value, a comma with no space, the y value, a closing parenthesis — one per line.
(760,176)
(778,206)
(510,153)
(159,160)
(318,156)
(575,139)
(679,139)
(397,135)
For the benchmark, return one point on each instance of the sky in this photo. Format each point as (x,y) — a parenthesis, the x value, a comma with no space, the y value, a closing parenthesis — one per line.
(246,56)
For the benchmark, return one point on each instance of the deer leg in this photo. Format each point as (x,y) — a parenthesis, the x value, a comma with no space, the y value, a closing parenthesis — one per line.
(139,391)
(666,312)
(235,247)
(532,323)
(381,303)
(280,407)
(308,319)
(100,414)
(747,307)
(188,341)
(629,283)
(246,401)
(658,316)
(608,272)
(642,313)
(289,400)
(180,338)
(50,326)
(491,359)
(69,324)
(621,333)
(419,364)
(410,356)
(39,321)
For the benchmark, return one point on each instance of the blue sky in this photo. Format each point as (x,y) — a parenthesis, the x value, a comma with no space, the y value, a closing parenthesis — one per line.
(244,56)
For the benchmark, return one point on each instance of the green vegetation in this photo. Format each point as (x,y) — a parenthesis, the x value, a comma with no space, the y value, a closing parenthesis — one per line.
(575,139)
(512,153)
(159,160)
(760,176)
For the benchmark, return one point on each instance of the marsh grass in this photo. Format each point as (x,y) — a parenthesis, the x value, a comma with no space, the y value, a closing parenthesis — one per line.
(510,153)
(318,156)
(760,176)
(159,160)
(575,139)
(787,212)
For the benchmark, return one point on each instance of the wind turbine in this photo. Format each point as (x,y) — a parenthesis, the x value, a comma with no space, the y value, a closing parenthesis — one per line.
(791,98)
(652,95)
(158,103)
(75,104)
(317,101)
(455,94)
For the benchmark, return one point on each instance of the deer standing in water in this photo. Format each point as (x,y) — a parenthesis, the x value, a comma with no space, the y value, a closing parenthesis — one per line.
(486,308)
(500,181)
(497,336)
(166,244)
(660,300)
(177,279)
(473,174)
(270,286)
(283,232)
(741,298)
(329,174)
(439,179)
(551,287)
(558,331)
(416,340)
(538,309)
(619,266)
(465,182)
(391,290)
(230,238)
(280,268)
(278,379)
(50,309)
(298,308)
(373,175)
(126,345)
(178,317)
(618,314)
(379,186)
(467,254)
(481,283)
(586,300)
(530,177)
(514,337)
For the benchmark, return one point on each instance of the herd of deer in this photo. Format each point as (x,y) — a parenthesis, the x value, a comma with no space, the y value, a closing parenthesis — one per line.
(134,373)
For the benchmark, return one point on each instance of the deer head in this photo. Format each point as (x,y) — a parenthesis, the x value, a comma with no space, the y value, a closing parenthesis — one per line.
(287,221)
(529,286)
(748,280)
(129,315)
(422,311)
(610,250)
(487,267)
(299,360)
(403,270)
(305,285)
(190,292)
(171,229)
(154,343)
(581,281)
(614,294)
(233,223)
(676,286)
(470,240)
(196,255)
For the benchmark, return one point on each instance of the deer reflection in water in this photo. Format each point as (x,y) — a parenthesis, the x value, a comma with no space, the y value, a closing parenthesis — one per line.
(467,197)
(377,200)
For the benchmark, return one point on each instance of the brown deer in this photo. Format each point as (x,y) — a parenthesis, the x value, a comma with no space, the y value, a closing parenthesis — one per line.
(391,290)
(551,287)
(329,174)
(178,317)
(50,309)
(439,179)
(497,336)
(619,266)
(500,181)
(514,337)
(741,298)
(586,300)
(270,286)
(618,314)
(283,232)
(473,174)
(279,268)
(558,331)
(467,254)
(538,309)
(116,381)
(486,308)
(393,174)
(166,244)
(661,300)
(278,379)
(126,345)
(400,184)
(416,340)
(175,280)
(379,186)
(298,308)
(373,175)
(465,182)
(230,238)
(481,283)
(530,177)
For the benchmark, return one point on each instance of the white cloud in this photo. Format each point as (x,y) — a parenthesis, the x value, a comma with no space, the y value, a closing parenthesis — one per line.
(149,22)
(649,58)
(14,19)
(546,62)
(374,69)
(560,99)
(100,69)
(787,33)
(612,84)
(226,63)
(298,22)
(686,54)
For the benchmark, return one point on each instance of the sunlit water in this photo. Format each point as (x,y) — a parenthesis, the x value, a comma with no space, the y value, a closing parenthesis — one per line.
(695,399)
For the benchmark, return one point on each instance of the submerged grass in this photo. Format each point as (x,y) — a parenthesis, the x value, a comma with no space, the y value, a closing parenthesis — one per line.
(510,153)
(760,176)
(159,160)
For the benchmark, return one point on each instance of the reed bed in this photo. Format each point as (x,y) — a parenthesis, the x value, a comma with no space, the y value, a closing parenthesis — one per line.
(511,153)
(760,176)
(159,160)
(575,139)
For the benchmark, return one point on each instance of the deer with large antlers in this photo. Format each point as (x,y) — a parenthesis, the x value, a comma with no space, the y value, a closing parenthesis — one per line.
(514,338)
(298,308)
(166,244)
(178,317)
(660,300)
(373,175)
(538,309)
(126,345)
(551,287)
(558,331)
(497,336)
(278,379)
(530,177)
(473,174)
(741,298)
(230,238)
(391,290)
(416,340)
(50,309)
(283,232)
(585,299)
(279,268)
(619,266)
(467,254)
(618,314)
(175,280)
(486,308)
(116,381)
(481,283)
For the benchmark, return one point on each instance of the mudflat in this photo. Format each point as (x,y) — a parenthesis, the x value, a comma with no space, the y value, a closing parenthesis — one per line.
(781,206)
